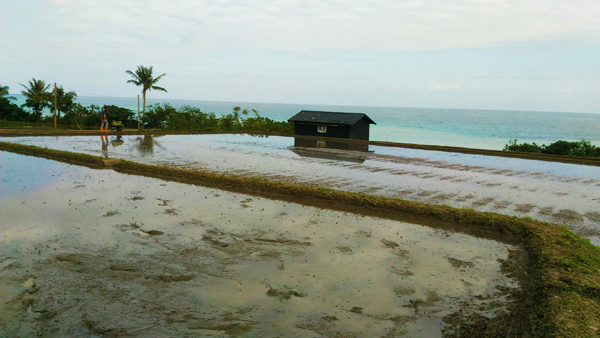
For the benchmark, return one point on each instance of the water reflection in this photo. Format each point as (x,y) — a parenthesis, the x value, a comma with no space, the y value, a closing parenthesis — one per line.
(328,149)
(145,145)
(118,141)
(104,140)
(114,141)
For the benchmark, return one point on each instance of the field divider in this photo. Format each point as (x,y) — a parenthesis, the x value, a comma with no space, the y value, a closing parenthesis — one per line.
(559,271)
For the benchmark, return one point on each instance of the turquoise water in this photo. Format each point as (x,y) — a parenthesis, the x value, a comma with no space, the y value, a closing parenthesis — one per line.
(485,129)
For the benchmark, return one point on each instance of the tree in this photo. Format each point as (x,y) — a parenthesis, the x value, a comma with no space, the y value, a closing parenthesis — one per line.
(37,96)
(11,112)
(65,101)
(4,93)
(143,77)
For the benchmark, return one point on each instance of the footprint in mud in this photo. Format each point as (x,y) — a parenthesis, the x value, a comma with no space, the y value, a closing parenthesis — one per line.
(124,267)
(344,249)
(283,294)
(567,216)
(465,198)
(153,232)
(546,211)
(244,203)
(460,264)
(130,226)
(363,233)
(171,211)
(593,216)
(524,208)
(401,291)
(164,202)
(483,201)
(424,193)
(440,198)
(389,244)
(322,324)
(173,278)
(111,213)
(357,309)
(402,272)
(502,205)
(432,298)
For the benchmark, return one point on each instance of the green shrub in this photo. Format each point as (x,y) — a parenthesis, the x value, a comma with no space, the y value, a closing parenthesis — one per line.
(526,147)
(193,119)
(566,148)
(12,112)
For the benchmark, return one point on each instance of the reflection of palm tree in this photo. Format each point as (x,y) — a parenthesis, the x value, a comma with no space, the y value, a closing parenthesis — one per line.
(146,145)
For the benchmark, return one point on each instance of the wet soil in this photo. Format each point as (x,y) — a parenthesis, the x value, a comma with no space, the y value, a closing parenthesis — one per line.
(558,193)
(95,252)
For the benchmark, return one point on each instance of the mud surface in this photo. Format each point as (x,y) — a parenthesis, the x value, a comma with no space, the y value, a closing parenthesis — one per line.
(95,252)
(558,193)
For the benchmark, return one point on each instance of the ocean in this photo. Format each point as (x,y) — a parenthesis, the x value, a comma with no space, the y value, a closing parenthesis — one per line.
(485,129)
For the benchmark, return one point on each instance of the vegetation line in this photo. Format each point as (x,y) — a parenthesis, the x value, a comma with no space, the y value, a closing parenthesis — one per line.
(561,284)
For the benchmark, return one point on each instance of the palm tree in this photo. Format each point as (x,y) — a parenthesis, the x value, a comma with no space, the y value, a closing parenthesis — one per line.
(37,96)
(143,77)
(4,92)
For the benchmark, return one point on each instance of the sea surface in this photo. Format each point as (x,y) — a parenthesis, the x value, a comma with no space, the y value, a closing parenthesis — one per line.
(485,129)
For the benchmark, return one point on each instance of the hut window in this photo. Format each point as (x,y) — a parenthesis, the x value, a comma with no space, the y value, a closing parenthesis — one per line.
(322,129)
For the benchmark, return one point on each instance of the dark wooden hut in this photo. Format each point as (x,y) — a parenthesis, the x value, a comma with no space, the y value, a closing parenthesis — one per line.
(332,124)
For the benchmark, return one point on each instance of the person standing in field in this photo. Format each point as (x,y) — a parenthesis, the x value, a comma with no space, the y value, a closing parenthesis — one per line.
(104,123)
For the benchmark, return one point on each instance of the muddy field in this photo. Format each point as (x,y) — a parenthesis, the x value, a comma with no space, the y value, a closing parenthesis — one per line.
(558,193)
(88,251)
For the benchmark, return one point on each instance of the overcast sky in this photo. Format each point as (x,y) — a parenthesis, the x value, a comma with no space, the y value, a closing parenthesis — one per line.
(487,54)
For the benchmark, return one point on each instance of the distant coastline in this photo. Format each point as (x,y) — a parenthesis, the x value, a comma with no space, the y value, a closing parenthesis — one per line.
(484,129)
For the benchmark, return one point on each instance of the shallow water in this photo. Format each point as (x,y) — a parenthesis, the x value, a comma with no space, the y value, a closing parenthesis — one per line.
(97,252)
(558,193)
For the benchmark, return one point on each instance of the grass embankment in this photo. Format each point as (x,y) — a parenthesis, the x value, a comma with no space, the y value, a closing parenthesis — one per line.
(29,126)
(561,278)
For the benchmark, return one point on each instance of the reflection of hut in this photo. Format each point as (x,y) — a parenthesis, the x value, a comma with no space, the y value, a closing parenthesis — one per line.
(315,143)
(328,155)
(330,124)
(330,150)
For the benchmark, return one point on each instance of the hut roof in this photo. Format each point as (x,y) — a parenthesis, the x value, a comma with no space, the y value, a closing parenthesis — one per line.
(310,116)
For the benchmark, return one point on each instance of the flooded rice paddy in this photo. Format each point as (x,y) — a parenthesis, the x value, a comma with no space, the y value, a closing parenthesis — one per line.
(94,252)
(558,193)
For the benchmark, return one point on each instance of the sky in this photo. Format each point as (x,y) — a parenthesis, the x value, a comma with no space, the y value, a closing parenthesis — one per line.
(541,55)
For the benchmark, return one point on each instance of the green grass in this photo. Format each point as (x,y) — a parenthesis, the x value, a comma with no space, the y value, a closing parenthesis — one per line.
(34,126)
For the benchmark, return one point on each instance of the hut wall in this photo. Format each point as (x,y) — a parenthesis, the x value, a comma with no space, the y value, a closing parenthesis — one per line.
(332,130)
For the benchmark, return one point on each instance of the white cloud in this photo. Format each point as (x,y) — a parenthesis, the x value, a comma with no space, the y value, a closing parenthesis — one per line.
(300,50)
(309,25)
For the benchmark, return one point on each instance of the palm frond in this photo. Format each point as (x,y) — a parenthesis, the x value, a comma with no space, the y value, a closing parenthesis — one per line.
(159,88)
